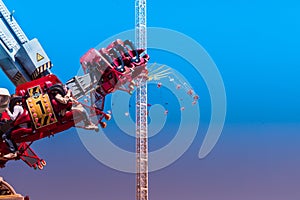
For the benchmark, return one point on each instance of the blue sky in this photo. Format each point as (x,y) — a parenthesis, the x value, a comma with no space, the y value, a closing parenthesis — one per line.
(253,43)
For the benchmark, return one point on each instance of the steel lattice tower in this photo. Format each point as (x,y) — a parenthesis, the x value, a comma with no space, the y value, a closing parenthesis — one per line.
(141,107)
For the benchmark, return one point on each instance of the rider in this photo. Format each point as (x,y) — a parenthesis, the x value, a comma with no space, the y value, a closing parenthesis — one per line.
(4,99)
(63,96)
(4,118)
(15,109)
(4,122)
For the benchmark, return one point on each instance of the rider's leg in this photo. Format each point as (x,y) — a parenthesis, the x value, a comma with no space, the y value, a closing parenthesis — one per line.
(7,138)
(87,121)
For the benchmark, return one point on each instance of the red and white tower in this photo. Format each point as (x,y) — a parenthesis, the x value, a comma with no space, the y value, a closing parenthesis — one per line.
(141,107)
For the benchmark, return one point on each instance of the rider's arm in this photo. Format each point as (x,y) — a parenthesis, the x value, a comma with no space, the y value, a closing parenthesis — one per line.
(61,99)
(17,111)
(68,95)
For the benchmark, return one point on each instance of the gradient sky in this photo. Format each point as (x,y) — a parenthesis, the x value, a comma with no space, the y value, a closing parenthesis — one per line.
(255,46)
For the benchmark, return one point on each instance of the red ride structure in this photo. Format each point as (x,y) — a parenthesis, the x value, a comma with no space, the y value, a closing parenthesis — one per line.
(113,68)
(110,69)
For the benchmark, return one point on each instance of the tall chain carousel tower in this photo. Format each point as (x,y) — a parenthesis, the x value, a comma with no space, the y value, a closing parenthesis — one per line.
(141,107)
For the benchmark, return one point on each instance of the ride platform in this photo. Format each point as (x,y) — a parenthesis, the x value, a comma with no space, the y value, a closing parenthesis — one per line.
(7,192)
(12,197)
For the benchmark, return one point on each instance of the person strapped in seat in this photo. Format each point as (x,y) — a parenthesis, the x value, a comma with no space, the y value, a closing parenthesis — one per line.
(15,109)
(64,102)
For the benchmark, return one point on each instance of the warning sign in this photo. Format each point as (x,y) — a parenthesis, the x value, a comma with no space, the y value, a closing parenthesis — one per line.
(39,57)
